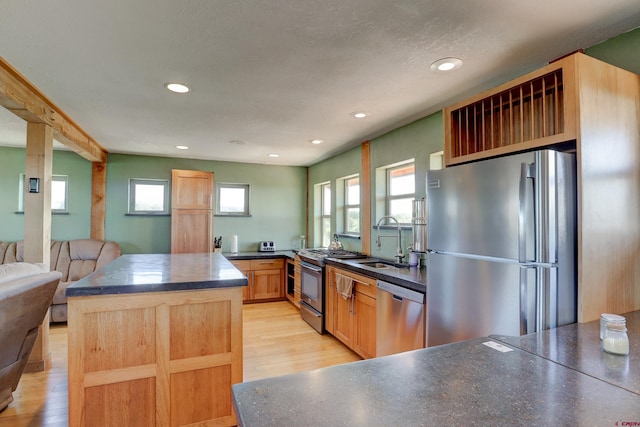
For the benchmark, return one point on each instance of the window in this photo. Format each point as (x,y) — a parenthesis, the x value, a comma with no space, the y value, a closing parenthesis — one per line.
(232,199)
(148,196)
(401,191)
(352,205)
(59,184)
(325,217)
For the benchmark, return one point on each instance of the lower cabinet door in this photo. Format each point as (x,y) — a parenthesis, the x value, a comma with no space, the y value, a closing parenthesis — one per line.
(364,333)
(343,320)
(267,284)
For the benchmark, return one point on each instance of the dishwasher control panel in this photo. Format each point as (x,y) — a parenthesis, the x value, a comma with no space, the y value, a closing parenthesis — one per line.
(401,292)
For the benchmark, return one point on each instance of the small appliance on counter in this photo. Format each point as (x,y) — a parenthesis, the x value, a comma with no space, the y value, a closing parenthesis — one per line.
(266,246)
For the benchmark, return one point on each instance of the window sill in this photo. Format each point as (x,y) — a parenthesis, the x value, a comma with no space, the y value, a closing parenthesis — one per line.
(232,215)
(52,213)
(147,214)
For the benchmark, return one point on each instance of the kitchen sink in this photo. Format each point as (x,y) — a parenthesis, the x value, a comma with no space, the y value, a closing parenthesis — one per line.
(376,264)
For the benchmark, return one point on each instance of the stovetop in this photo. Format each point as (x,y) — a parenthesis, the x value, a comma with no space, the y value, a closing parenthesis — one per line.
(317,255)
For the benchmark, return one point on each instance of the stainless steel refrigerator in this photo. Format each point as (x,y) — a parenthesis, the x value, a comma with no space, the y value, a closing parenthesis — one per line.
(501,238)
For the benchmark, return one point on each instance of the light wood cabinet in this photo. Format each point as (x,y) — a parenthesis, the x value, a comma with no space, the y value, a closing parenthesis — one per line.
(352,320)
(266,278)
(583,104)
(191,211)
(155,359)
(533,111)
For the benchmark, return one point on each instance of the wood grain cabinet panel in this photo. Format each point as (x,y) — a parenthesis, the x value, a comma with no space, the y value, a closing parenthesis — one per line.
(164,359)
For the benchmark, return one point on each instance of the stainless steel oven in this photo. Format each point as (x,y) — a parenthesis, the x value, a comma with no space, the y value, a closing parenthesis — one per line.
(312,295)
(312,283)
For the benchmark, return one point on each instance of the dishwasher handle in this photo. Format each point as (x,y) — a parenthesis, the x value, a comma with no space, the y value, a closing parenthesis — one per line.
(400,293)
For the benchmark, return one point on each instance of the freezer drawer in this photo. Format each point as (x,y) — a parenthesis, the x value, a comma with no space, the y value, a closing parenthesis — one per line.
(471,298)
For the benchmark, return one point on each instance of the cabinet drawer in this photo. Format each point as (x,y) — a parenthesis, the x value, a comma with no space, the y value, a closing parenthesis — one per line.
(243,265)
(267,264)
(363,284)
(366,288)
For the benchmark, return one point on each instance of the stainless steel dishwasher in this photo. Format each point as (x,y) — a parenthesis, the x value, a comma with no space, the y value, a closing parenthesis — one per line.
(400,318)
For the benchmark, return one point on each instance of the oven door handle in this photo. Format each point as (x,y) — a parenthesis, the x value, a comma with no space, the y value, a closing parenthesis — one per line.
(311,267)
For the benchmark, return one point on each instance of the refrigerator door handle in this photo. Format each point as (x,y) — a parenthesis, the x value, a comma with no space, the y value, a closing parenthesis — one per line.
(525,174)
(528,300)
(547,285)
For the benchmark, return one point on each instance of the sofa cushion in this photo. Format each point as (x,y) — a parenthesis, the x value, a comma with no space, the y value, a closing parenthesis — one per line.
(59,297)
(8,252)
(18,270)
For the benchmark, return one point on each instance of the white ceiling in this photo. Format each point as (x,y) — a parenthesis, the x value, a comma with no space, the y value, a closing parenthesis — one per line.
(275,74)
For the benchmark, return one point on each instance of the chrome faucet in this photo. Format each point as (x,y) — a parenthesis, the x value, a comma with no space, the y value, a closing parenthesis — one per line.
(399,255)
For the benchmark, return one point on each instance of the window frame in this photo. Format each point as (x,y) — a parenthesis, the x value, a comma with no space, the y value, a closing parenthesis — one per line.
(325,217)
(54,178)
(389,197)
(229,185)
(348,206)
(148,181)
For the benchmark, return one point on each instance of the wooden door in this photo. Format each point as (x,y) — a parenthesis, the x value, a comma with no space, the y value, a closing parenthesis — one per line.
(191,211)
(364,334)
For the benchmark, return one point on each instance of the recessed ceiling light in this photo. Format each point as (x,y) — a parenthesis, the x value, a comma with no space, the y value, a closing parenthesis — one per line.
(182,147)
(274,155)
(359,115)
(446,64)
(177,87)
(316,141)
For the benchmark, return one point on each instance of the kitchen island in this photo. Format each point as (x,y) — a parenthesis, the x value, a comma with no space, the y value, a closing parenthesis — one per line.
(155,340)
(476,382)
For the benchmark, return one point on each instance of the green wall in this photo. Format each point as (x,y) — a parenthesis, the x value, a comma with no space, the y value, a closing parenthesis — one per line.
(74,225)
(622,51)
(277,201)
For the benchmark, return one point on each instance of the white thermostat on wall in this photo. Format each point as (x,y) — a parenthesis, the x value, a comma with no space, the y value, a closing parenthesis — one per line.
(267,246)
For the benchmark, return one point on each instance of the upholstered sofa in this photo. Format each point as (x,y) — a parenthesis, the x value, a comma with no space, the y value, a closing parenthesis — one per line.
(26,292)
(75,259)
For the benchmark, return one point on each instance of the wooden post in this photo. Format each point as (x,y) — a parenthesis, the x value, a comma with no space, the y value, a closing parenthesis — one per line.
(98,199)
(37,223)
(365,190)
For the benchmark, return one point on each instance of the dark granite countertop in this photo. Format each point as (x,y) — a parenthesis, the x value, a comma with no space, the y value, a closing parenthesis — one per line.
(409,277)
(465,383)
(159,272)
(258,255)
(578,347)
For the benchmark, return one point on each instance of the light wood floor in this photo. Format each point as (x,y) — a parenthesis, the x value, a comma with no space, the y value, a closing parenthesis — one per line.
(276,342)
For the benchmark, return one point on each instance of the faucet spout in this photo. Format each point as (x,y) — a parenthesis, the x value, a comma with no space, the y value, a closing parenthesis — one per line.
(399,254)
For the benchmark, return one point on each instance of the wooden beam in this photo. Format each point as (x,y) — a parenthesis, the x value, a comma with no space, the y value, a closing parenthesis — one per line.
(37,223)
(21,97)
(98,199)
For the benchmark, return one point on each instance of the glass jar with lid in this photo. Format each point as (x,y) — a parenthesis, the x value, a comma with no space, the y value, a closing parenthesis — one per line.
(615,339)
(610,318)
